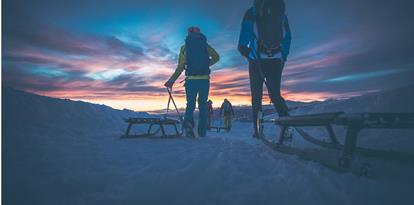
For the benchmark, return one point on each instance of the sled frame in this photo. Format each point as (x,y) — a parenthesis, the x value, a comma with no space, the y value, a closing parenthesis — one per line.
(161,123)
(353,123)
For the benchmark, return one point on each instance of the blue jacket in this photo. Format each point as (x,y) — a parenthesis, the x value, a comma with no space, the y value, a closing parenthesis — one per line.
(248,35)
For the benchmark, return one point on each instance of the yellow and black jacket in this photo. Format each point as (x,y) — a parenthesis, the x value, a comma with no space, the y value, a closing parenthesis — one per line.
(214,58)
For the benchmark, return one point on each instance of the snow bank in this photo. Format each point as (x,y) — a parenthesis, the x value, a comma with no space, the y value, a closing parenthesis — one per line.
(25,113)
(396,100)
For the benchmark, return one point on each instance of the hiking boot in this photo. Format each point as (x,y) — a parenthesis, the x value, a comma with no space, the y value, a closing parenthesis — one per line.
(189,131)
(256,135)
(288,135)
(228,129)
(202,133)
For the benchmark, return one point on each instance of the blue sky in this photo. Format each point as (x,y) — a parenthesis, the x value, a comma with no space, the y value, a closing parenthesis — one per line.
(120,52)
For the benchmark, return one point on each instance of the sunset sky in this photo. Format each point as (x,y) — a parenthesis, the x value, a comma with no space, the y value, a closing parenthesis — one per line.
(120,52)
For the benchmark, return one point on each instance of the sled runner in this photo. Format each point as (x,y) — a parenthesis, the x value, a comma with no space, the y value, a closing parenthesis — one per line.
(326,157)
(160,122)
(353,123)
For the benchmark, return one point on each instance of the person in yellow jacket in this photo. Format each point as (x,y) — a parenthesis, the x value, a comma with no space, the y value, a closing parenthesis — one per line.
(196,57)
(228,112)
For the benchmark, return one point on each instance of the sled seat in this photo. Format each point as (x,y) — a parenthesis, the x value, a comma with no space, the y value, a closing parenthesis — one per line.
(309,120)
(353,123)
(160,122)
(365,120)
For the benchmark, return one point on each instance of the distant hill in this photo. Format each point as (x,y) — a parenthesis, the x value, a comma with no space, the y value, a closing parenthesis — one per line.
(24,112)
(243,112)
(394,100)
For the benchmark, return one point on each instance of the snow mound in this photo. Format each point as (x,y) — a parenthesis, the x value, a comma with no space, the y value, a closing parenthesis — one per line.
(25,113)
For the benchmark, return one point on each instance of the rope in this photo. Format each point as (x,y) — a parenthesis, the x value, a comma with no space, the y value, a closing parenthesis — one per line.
(171,99)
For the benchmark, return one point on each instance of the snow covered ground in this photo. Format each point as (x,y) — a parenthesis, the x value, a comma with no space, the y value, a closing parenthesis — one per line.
(65,152)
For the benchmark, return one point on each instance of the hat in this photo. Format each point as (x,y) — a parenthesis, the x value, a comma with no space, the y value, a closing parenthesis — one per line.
(194,29)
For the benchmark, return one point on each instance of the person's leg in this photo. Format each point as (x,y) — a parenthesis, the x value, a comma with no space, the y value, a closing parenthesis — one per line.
(204,88)
(256,88)
(229,125)
(191,94)
(273,73)
(209,121)
(226,121)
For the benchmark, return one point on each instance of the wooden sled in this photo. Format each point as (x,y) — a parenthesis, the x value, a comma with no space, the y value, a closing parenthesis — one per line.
(353,123)
(159,123)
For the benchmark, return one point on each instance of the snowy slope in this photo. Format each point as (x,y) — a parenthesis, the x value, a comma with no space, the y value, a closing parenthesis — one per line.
(80,162)
(27,112)
(396,100)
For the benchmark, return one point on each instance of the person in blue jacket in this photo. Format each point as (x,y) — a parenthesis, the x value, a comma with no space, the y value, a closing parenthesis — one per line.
(265,39)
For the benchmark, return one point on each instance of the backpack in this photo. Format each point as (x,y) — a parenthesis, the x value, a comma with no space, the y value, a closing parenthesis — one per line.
(269,15)
(197,57)
(227,108)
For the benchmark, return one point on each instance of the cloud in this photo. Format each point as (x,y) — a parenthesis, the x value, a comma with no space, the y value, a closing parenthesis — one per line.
(364,76)
(118,51)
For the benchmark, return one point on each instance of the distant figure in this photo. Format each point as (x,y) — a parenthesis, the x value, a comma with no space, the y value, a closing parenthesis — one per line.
(196,57)
(210,111)
(228,112)
(265,39)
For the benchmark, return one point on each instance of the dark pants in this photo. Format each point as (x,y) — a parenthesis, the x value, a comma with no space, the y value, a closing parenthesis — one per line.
(192,89)
(272,71)
(209,119)
(227,120)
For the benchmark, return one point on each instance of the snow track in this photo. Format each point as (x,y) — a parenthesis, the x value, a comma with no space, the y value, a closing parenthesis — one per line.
(220,169)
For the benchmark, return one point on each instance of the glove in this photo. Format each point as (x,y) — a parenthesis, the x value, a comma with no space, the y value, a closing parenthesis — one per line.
(169,84)
(245,51)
